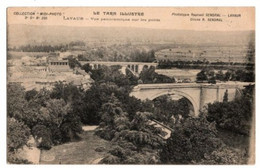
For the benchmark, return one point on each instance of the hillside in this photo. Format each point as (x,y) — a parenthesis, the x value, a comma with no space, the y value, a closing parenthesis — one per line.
(31,34)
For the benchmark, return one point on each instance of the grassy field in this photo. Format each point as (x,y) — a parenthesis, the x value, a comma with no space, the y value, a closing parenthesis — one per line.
(80,152)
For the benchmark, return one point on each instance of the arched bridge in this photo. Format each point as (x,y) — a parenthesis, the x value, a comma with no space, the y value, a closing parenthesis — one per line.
(199,94)
(135,67)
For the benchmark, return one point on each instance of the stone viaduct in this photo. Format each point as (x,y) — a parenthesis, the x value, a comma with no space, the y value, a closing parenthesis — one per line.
(198,94)
(135,67)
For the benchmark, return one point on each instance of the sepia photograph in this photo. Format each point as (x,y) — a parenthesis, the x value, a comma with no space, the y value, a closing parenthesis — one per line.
(130,85)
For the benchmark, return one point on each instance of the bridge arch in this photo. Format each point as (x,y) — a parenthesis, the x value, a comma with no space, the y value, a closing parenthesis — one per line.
(176,92)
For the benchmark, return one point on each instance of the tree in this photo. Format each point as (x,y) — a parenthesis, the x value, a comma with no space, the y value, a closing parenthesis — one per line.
(42,134)
(56,110)
(112,119)
(71,127)
(108,80)
(220,75)
(201,76)
(148,75)
(133,141)
(15,100)
(142,56)
(17,134)
(183,107)
(228,75)
(250,56)
(73,62)
(47,114)
(190,141)
(211,76)
(22,110)
(32,113)
(136,144)
(30,94)
(225,98)
(86,68)
(67,92)
(133,80)
(89,107)
(165,109)
(62,121)
(143,133)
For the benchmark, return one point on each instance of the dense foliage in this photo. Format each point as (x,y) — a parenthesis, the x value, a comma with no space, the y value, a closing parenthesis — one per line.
(39,113)
(200,64)
(73,62)
(223,156)
(236,115)
(41,48)
(142,56)
(134,142)
(108,81)
(211,76)
(17,134)
(170,111)
(108,104)
(148,75)
(190,141)
(48,48)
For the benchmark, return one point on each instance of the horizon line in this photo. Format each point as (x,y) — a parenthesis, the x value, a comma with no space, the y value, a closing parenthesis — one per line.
(135,28)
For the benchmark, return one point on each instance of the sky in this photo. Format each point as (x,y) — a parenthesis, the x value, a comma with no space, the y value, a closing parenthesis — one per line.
(161,17)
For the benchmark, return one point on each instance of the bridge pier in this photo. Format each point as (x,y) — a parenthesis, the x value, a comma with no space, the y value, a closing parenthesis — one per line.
(136,68)
(202,98)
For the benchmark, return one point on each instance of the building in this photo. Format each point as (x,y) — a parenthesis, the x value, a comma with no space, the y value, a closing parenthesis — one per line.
(59,66)
(38,77)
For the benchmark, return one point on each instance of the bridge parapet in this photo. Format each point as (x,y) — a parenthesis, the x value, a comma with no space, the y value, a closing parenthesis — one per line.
(192,85)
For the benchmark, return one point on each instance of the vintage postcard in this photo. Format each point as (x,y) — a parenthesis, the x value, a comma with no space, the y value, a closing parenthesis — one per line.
(117,85)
